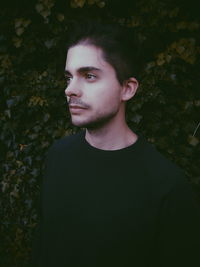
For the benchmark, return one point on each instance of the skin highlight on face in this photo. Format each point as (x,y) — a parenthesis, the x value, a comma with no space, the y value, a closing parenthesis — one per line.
(91,85)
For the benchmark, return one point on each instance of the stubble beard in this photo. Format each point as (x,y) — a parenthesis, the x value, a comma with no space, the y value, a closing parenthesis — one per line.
(97,122)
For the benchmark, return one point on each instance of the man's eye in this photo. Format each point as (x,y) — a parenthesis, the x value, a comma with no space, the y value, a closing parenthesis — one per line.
(90,76)
(68,79)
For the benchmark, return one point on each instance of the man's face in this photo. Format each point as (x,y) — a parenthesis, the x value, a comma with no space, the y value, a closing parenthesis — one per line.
(93,91)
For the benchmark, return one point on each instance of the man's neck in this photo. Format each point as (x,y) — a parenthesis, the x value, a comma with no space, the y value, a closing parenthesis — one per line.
(111,138)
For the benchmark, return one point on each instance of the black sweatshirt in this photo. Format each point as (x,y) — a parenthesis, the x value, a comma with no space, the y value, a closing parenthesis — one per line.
(127,207)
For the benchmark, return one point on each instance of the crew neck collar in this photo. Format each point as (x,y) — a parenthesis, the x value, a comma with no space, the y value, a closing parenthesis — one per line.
(94,149)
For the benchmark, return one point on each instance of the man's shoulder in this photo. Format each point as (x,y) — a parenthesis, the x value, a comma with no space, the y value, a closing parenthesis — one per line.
(157,159)
(69,142)
(162,170)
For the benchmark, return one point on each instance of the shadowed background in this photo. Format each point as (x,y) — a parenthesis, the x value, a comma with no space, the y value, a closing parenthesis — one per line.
(33,111)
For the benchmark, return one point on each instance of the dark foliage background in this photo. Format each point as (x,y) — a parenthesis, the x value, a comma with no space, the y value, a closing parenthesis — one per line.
(33,110)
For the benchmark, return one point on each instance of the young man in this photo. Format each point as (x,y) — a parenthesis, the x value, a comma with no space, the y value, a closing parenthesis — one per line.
(109,198)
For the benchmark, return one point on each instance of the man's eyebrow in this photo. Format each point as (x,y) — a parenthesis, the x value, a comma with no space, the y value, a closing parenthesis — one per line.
(84,69)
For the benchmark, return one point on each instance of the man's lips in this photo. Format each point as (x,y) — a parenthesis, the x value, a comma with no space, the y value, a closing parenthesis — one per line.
(76,107)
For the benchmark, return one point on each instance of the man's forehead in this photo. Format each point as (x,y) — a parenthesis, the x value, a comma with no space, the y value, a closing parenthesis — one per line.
(85,56)
(84,69)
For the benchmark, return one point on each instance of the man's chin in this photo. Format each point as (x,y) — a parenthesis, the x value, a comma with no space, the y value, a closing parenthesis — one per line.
(88,125)
(78,123)
(92,125)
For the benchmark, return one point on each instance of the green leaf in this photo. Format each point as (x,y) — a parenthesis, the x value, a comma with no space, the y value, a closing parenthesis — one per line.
(10,103)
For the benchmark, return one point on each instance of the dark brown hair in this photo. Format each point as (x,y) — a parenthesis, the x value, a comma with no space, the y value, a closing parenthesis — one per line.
(118,44)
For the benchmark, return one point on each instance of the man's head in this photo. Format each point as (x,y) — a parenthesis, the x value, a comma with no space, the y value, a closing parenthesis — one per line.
(100,70)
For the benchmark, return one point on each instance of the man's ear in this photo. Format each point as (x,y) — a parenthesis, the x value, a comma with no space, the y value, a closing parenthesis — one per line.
(129,88)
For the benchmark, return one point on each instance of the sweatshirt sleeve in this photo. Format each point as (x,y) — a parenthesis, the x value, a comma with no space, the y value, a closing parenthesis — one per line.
(178,236)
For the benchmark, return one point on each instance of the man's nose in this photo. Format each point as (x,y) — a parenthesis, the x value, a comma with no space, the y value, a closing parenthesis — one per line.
(73,89)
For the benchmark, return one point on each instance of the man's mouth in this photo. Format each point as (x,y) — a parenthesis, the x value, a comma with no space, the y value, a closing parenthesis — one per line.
(76,107)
